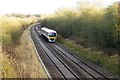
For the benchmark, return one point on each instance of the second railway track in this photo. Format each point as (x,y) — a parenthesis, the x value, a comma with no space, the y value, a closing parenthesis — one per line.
(68,65)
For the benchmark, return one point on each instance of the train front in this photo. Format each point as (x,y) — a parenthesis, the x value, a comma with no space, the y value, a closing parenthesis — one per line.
(52,36)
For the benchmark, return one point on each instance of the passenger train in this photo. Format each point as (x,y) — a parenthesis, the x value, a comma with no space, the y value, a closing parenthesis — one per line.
(50,34)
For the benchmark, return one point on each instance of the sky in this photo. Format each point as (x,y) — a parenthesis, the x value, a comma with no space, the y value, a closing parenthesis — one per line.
(40,6)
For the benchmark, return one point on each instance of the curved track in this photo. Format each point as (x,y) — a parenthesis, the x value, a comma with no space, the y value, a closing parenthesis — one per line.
(66,65)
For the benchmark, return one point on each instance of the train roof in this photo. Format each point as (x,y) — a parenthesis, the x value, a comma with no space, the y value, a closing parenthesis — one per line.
(48,30)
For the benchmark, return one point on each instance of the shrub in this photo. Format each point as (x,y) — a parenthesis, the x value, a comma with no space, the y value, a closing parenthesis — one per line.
(12,28)
(91,27)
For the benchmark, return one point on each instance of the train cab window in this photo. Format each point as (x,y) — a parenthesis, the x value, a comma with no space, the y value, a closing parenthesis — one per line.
(52,34)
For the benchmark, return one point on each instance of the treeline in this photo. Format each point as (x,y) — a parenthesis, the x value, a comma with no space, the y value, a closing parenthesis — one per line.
(12,27)
(89,26)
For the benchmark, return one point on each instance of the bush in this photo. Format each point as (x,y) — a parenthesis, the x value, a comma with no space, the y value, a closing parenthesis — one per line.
(59,38)
(12,28)
(90,27)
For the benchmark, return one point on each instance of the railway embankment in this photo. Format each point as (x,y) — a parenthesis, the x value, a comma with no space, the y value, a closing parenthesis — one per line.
(17,56)
(24,63)
(109,63)
(27,58)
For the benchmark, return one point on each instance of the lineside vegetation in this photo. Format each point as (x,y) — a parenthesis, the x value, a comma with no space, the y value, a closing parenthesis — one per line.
(12,27)
(91,27)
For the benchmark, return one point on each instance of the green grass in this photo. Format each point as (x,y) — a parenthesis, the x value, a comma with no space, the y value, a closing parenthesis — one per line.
(110,63)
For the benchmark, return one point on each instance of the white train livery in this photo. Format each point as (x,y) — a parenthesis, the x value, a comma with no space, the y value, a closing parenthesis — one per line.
(50,34)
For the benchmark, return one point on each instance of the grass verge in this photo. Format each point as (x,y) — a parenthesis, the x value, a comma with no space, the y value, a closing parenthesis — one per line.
(22,61)
(27,58)
(110,63)
(8,67)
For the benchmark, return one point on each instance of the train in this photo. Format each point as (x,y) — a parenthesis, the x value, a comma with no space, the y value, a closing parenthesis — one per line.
(50,34)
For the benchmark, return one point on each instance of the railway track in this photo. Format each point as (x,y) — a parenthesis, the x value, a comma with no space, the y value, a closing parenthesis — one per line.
(66,65)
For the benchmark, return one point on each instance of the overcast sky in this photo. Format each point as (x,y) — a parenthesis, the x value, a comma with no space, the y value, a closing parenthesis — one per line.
(39,6)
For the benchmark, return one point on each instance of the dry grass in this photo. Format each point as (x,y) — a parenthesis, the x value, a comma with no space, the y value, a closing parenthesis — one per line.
(8,66)
(27,58)
(22,61)
(1,57)
(18,60)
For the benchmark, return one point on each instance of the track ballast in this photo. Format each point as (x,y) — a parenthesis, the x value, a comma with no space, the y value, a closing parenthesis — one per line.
(67,65)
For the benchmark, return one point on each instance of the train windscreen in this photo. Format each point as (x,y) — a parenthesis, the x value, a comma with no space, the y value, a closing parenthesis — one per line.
(52,34)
